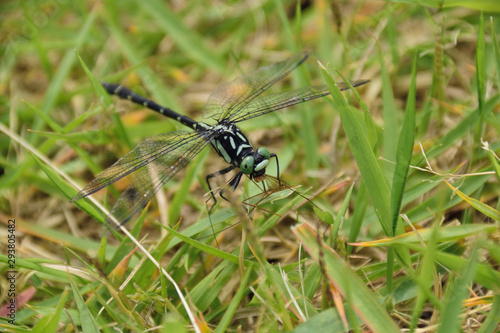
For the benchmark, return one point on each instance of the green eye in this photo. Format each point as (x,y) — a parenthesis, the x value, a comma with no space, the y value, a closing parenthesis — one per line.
(246,165)
(264,153)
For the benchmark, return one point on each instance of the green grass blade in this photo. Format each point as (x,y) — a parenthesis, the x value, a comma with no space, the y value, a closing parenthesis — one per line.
(232,307)
(120,132)
(339,219)
(358,215)
(483,208)
(389,111)
(188,40)
(208,249)
(64,68)
(491,322)
(329,318)
(486,5)
(494,162)
(457,132)
(445,234)
(89,324)
(372,175)
(404,150)
(425,276)
(207,290)
(485,274)
(69,191)
(435,204)
(496,48)
(456,292)
(45,117)
(348,283)
(50,323)
(307,129)
(287,28)
(159,91)
(183,193)
(480,78)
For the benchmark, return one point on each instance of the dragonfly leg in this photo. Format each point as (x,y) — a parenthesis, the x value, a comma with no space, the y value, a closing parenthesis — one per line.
(277,168)
(219,173)
(233,183)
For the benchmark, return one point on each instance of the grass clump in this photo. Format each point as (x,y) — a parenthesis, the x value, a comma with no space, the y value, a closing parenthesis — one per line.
(402,232)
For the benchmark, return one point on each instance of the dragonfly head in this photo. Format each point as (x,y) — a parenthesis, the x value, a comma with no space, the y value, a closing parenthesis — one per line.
(255,164)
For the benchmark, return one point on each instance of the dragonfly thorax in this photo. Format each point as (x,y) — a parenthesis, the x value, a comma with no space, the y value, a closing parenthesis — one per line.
(232,145)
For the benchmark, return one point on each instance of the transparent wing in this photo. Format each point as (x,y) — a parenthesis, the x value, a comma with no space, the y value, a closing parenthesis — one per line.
(231,97)
(274,184)
(172,144)
(272,102)
(151,178)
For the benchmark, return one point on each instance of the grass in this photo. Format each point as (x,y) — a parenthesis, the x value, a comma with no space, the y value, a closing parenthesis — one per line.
(402,231)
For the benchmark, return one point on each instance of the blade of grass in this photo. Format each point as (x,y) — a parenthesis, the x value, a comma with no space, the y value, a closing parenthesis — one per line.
(69,192)
(64,68)
(236,300)
(445,234)
(208,249)
(493,160)
(329,318)
(339,219)
(182,194)
(358,215)
(94,137)
(483,208)
(300,76)
(456,293)
(404,149)
(207,290)
(389,112)
(55,86)
(496,48)
(89,324)
(364,156)
(348,283)
(50,323)
(425,277)
(436,203)
(119,130)
(486,275)
(486,5)
(159,92)
(480,78)
(491,322)
(188,40)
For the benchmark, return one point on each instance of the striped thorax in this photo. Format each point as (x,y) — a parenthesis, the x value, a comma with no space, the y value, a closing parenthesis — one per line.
(233,146)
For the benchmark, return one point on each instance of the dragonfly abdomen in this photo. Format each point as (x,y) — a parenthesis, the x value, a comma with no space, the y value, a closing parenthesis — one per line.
(125,93)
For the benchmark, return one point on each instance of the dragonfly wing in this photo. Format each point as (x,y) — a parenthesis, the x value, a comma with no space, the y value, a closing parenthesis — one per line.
(273,102)
(274,184)
(232,96)
(151,178)
(170,144)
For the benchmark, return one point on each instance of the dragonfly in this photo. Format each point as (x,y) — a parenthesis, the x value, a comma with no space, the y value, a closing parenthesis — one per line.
(159,158)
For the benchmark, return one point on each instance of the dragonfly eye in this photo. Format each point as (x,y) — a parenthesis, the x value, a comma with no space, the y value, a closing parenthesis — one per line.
(262,159)
(264,153)
(246,165)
